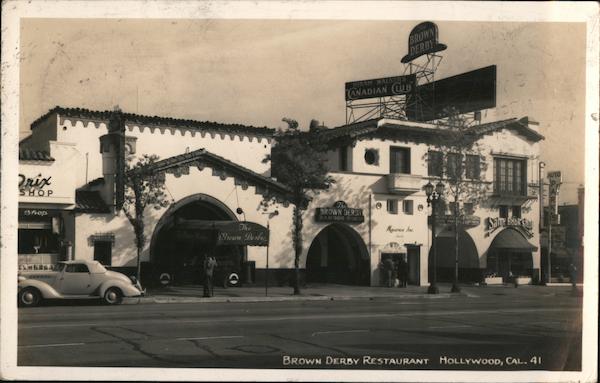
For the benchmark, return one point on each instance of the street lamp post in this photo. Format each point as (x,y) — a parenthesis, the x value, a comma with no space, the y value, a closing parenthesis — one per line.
(434,194)
(270,215)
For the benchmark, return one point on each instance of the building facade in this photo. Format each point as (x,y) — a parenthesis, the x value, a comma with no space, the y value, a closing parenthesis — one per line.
(215,176)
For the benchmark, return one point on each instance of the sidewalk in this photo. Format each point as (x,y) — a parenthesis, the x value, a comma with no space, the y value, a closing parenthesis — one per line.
(330,292)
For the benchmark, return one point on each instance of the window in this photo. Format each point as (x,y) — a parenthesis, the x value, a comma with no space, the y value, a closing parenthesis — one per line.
(454,165)
(516,211)
(407,207)
(77,268)
(344,158)
(371,157)
(510,176)
(473,169)
(392,206)
(435,163)
(452,207)
(400,160)
(468,208)
(503,211)
(103,252)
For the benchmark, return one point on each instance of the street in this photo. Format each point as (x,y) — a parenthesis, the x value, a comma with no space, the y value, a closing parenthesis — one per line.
(489,329)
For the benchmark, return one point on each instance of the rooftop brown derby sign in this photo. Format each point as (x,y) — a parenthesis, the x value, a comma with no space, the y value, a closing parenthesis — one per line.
(423,39)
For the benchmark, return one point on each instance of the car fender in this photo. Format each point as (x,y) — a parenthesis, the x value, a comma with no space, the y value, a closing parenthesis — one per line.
(47,291)
(126,288)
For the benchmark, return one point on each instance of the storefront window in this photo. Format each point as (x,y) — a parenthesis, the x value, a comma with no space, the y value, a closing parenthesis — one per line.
(37,241)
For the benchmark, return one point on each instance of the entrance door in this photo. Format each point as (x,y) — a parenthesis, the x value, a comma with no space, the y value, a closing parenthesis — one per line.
(414,265)
(338,255)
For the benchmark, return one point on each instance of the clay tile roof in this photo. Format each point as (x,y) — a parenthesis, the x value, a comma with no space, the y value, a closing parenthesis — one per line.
(90,202)
(219,162)
(158,120)
(26,154)
(520,126)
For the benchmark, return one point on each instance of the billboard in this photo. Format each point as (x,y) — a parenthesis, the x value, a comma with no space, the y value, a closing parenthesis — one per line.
(380,87)
(466,92)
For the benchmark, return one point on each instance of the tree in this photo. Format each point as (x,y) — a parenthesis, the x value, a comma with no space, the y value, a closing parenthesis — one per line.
(143,188)
(298,161)
(457,158)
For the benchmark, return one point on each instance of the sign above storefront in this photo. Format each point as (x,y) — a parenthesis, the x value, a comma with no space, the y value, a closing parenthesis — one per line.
(340,212)
(466,220)
(48,184)
(522,224)
(380,87)
(38,213)
(423,39)
(243,233)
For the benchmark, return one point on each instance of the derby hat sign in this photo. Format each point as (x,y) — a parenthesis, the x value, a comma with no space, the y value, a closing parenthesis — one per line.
(423,39)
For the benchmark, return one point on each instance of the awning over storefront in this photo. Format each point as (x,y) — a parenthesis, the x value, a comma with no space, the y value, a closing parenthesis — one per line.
(512,240)
(223,232)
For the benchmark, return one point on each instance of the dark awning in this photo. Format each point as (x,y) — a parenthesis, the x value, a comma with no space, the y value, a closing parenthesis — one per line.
(512,240)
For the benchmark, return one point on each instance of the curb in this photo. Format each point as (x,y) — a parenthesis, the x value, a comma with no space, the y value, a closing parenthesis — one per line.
(158,299)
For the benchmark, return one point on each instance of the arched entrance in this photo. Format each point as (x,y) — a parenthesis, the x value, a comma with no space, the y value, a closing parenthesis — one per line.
(510,255)
(338,255)
(184,235)
(468,258)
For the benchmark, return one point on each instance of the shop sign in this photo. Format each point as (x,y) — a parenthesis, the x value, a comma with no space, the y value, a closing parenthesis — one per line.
(38,186)
(243,233)
(340,212)
(381,87)
(38,213)
(391,229)
(522,223)
(465,220)
(52,184)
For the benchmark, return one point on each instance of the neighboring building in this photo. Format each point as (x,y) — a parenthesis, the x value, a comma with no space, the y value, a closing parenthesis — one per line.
(566,242)
(215,175)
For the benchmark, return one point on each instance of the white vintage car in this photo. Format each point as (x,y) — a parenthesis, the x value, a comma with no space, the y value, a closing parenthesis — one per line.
(76,280)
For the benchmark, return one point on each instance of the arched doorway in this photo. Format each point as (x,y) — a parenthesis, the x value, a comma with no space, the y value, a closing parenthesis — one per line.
(468,258)
(184,235)
(510,255)
(338,255)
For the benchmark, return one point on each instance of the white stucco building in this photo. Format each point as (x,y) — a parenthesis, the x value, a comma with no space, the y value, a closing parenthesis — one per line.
(215,175)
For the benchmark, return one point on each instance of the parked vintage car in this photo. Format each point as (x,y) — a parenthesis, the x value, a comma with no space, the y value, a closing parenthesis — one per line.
(75,280)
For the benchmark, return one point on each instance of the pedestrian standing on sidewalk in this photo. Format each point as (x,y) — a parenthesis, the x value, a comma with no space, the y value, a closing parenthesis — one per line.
(402,272)
(209,268)
(573,275)
(388,266)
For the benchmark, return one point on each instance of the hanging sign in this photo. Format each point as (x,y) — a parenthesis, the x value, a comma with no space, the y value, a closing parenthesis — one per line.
(380,87)
(423,39)
(242,233)
(340,212)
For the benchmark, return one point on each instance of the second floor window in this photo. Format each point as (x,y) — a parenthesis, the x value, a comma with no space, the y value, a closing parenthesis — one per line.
(435,163)
(473,168)
(454,165)
(509,176)
(400,160)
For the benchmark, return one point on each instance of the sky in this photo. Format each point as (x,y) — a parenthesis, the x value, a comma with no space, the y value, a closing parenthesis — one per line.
(255,72)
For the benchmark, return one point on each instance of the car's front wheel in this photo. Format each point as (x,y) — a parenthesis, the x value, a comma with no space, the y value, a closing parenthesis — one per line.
(113,296)
(29,297)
